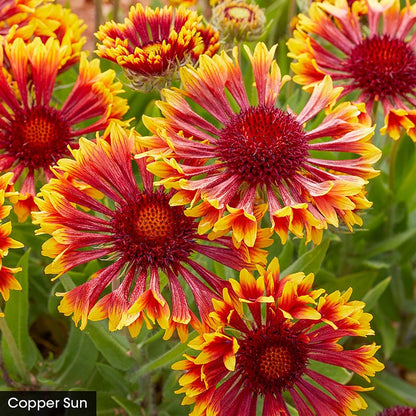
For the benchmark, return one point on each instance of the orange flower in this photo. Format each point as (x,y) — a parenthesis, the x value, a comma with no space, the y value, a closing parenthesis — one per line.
(140,235)
(152,44)
(263,339)
(370,52)
(266,159)
(35,132)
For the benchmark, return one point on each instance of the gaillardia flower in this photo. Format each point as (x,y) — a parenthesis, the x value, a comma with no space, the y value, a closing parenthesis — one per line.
(7,280)
(152,44)
(265,339)
(238,21)
(371,53)
(27,19)
(34,131)
(15,12)
(145,241)
(243,157)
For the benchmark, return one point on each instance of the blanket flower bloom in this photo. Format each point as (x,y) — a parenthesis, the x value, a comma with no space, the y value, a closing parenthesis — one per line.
(35,133)
(7,280)
(45,19)
(371,53)
(152,44)
(238,21)
(137,232)
(265,158)
(264,337)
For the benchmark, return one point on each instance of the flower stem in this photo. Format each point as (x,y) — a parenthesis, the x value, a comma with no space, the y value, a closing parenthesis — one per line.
(14,350)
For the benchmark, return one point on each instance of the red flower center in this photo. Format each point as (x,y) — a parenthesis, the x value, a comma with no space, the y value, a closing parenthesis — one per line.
(38,137)
(262,145)
(383,67)
(150,232)
(271,360)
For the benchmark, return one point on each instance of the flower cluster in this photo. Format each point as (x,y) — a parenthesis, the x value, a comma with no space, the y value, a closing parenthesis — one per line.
(265,157)
(142,235)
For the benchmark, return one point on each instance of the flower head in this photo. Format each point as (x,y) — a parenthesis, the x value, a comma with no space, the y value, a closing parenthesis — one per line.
(143,239)
(265,338)
(35,132)
(152,44)
(238,21)
(371,53)
(265,158)
(398,411)
(44,20)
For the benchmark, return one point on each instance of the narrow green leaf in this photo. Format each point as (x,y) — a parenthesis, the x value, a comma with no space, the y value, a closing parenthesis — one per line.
(166,359)
(16,316)
(392,243)
(391,391)
(113,345)
(132,409)
(405,357)
(339,374)
(310,262)
(374,294)
(77,361)
(118,381)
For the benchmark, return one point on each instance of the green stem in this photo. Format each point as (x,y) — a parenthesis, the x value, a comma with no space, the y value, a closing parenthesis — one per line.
(98,13)
(116,10)
(14,350)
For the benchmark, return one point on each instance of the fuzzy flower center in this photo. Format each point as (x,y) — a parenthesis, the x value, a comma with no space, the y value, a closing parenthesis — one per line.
(262,145)
(39,137)
(153,233)
(270,360)
(383,67)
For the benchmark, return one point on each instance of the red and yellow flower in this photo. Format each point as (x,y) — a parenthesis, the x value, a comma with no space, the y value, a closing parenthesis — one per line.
(235,159)
(238,21)
(30,19)
(370,53)
(35,131)
(265,337)
(143,239)
(152,44)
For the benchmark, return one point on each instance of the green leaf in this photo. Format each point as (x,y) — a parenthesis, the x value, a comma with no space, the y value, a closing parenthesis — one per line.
(392,391)
(117,379)
(77,361)
(361,282)
(374,294)
(339,374)
(166,359)
(310,262)
(112,345)
(405,357)
(132,409)
(16,316)
(392,243)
